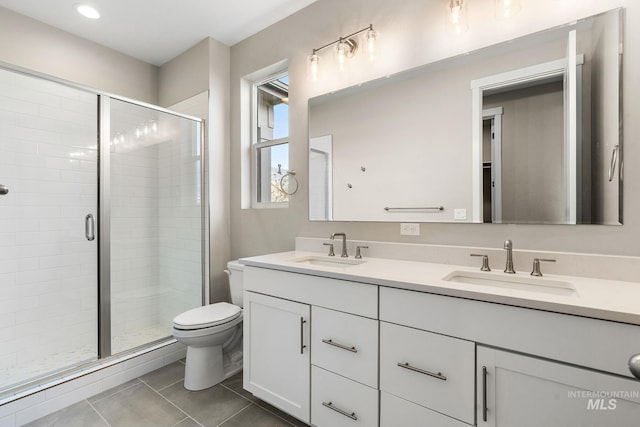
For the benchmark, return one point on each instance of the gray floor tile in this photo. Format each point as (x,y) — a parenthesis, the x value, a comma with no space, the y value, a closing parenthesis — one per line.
(235,383)
(113,390)
(255,416)
(138,406)
(291,420)
(187,422)
(164,376)
(209,407)
(79,415)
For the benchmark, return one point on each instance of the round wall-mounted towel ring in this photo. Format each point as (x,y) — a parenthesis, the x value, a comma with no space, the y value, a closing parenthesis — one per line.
(290,181)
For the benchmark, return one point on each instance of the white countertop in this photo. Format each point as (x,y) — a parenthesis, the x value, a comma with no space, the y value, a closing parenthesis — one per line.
(597,298)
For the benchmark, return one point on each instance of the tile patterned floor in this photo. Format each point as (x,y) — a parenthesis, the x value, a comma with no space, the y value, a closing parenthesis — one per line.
(26,369)
(159,399)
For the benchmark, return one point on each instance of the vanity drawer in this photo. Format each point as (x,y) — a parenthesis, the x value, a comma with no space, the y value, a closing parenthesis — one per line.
(343,295)
(337,401)
(396,412)
(440,374)
(345,344)
(597,344)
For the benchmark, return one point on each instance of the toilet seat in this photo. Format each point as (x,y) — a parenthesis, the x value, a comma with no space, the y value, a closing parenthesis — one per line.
(206,316)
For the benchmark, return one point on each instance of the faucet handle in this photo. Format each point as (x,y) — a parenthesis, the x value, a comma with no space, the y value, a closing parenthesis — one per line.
(358,254)
(331,253)
(485,262)
(536,266)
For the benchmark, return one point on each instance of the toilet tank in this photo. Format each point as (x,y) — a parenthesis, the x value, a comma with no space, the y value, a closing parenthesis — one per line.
(235,281)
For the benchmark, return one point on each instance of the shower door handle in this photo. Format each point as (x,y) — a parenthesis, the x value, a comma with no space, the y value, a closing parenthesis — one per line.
(89,227)
(3,190)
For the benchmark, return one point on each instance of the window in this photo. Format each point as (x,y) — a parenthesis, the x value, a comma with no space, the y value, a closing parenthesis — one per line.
(270,149)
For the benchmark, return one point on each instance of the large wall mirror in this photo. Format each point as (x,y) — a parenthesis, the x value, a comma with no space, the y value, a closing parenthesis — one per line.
(527,131)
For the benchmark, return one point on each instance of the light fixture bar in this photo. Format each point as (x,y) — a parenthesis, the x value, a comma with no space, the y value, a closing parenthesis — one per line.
(370,27)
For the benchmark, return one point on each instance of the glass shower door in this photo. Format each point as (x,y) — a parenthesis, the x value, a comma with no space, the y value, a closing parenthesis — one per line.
(156,222)
(48,244)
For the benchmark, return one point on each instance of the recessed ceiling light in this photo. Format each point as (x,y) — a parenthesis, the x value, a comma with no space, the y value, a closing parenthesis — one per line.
(87,11)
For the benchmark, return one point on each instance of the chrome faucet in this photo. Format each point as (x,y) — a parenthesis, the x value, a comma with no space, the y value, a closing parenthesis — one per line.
(344,243)
(508,246)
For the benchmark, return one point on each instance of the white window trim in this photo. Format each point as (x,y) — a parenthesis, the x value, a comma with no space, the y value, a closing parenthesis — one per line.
(255,145)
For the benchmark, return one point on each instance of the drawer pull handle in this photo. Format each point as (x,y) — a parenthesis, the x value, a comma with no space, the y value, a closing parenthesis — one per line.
(422,371)
(351,415)
(342,346)
(484,394)
(302,346)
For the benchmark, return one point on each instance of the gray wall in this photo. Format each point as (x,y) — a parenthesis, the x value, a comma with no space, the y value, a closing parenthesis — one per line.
(412,33)
(31,44)
(205,67)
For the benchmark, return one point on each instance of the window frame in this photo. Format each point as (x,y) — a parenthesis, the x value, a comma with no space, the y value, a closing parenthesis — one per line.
(256,146)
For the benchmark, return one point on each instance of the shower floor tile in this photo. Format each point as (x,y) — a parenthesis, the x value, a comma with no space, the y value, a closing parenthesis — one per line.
(159,399)
(26,370)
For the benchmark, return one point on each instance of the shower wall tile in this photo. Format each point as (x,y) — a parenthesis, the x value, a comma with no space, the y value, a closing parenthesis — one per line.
(47,132)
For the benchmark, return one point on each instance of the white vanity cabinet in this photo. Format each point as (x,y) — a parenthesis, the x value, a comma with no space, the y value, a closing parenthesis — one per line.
(292,320)
(337,352)
(518,390)
(276,335)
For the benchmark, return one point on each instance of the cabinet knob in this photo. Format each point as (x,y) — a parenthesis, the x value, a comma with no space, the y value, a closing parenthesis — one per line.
(634,365)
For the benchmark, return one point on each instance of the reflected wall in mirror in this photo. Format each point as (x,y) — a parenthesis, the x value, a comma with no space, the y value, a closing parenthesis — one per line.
(527,131)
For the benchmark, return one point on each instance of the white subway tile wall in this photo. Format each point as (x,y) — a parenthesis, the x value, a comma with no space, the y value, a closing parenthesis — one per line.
(48,269)
(156,223)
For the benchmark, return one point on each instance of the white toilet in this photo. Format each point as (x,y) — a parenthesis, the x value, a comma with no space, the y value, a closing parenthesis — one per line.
(213,336)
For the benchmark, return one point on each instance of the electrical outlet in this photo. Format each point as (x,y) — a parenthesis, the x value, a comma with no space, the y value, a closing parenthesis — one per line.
(459,213)
(409,229)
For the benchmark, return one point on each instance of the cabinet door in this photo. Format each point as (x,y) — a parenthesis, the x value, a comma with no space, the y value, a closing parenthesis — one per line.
(276,360)
(517,390)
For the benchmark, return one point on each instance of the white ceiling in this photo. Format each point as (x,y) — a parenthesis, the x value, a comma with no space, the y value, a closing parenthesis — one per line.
(156,31)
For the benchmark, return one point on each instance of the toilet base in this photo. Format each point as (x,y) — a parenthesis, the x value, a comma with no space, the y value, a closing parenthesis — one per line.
(204,367)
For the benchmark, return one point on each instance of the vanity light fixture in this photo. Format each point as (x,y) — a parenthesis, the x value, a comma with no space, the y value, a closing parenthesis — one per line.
(87,11)
(457,16)
(346,47)
(507,8)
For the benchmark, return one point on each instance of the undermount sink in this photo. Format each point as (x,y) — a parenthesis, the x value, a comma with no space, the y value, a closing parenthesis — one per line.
(325,261)
(510,281)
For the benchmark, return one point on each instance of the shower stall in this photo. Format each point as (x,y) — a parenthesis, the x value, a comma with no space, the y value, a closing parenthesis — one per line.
(102,226)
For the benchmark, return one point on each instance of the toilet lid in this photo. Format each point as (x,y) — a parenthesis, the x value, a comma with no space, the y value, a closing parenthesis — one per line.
(207,316)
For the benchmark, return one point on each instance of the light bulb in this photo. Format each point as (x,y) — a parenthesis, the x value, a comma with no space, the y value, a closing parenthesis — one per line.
(87,11)
(313,66)
(457,15)
(456,10)
(507,8)
(370,37)
(342,54)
